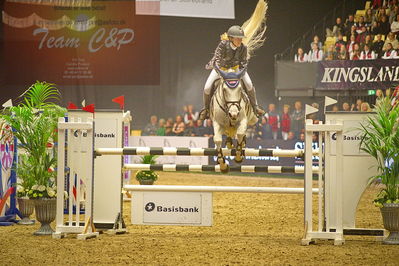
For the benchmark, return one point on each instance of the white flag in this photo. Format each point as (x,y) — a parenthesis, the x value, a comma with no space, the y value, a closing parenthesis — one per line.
(310,110)
(329,101)
(7,103)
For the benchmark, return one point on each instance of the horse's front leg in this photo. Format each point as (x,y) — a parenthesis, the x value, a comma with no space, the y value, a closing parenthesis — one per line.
(241,141)
(217,138)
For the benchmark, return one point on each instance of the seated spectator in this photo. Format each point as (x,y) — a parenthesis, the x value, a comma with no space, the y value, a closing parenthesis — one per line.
(379,14)
(331,53)
(340,42)
(261,129)
(317,41)
(151,128)
(169,127)
(395,26)
(390,53)
(273,120)
(346,107)
(291,136)
(161,127)
(285,122)
(178,126)
(374,28)
(367,41)
(343,54)
(377,46)
(352,32)
(337,29)
(393,14)
(208,129)
(189,129)
(357,106)
(351,43)
(355,55)
(350,21)
(367,54)
(199,129)
(300,56)
(368,17)
(361,36)
(360,24)
(392,40)
(385,27)
(365,107)
(191,114)
(315,55)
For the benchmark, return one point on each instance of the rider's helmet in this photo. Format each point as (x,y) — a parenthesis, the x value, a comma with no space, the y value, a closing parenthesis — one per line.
(236,32)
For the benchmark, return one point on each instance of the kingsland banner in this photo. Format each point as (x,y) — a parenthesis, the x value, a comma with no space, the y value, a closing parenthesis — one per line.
(358,74)
(187,8)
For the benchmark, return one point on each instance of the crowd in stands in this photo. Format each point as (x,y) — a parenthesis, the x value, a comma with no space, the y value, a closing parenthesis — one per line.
(364,37)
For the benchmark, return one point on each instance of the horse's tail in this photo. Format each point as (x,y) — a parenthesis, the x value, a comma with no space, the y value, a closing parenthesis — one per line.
(255,27)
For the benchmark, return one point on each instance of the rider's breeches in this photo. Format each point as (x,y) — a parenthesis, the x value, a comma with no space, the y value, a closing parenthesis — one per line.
(214,75)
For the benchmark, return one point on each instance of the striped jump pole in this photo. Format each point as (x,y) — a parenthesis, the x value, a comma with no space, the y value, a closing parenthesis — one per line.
(216,168)
(172,151)
(162,188)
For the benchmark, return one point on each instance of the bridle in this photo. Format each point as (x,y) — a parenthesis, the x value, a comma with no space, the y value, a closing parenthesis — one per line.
(228,104)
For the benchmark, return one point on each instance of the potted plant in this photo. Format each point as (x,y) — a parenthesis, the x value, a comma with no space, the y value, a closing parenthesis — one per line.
(147,177)
(34,123)
(380,139)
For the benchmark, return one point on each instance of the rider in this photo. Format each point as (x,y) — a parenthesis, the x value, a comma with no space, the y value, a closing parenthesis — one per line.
(231,53)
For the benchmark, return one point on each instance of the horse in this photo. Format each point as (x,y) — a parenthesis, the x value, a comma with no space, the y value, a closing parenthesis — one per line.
(231,114)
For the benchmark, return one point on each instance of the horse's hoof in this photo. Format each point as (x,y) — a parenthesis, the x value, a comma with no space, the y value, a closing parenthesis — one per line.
(238,159)
(224,168)
(229,143)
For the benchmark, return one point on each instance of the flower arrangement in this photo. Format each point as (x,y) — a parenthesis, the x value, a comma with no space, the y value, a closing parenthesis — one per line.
(146,174)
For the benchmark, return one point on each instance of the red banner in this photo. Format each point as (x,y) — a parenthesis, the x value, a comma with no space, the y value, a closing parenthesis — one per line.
(101,44)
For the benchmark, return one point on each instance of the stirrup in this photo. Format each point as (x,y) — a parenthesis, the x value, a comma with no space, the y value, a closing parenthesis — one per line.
(204,114)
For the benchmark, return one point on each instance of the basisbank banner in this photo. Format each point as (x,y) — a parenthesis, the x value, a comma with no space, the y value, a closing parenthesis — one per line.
(358,74)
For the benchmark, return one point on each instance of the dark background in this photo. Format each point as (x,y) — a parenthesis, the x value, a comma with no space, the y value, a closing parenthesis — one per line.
(186,46)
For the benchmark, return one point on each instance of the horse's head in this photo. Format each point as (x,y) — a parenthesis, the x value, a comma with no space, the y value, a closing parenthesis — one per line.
(232,91)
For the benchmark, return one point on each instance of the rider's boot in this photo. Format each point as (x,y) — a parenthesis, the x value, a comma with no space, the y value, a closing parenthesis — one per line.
(204,114)
(252,99)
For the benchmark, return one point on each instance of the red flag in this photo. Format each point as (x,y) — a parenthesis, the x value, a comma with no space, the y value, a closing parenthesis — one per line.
(89,108)
(120,100)
(72,106)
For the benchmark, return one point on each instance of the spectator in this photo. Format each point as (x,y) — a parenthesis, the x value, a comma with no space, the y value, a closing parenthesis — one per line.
(338,28)
(378,96)
(390,39)
(273,120)
(261,129)
(335,108)
(200,129)
(331,53)
(385,27)
(208,129)
(350,21)
(367,54)
(151,128)
(353,32)
(355,55)
(315,55)
(343,54)
(161,127)
(291,136)
(346,107)
(365,107)
(351,43)
(178,126)
(395,26)
(377,46)
(300,56)
(297,119)
(189,129)
(360,24)
(356,107)
(379,14)
(361,37)
(367,41)
(317,41)
(190,114)
(393,14)
(368,17)
(340,42)
(285,122)
(169,127)
(375,28)
(376,4)
(390,53)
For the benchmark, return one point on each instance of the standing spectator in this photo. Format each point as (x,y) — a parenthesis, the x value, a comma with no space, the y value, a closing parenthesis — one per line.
(178,126)
(261,129)
(297,119)
(331,53)
(161,127)
(377,46)
(169,127)
(350,21)
(391,39)
(315,55)
(317,41)
(300,56)
(385,27)
(346,107)
(199,129)
(273,119)
(367,54)
(390,53)
(285,122)
(337,29)
(340,42)
(208,129)
(355,54)
(151,128)
(395,26)
(189,129)
(343,54)
(190,114)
